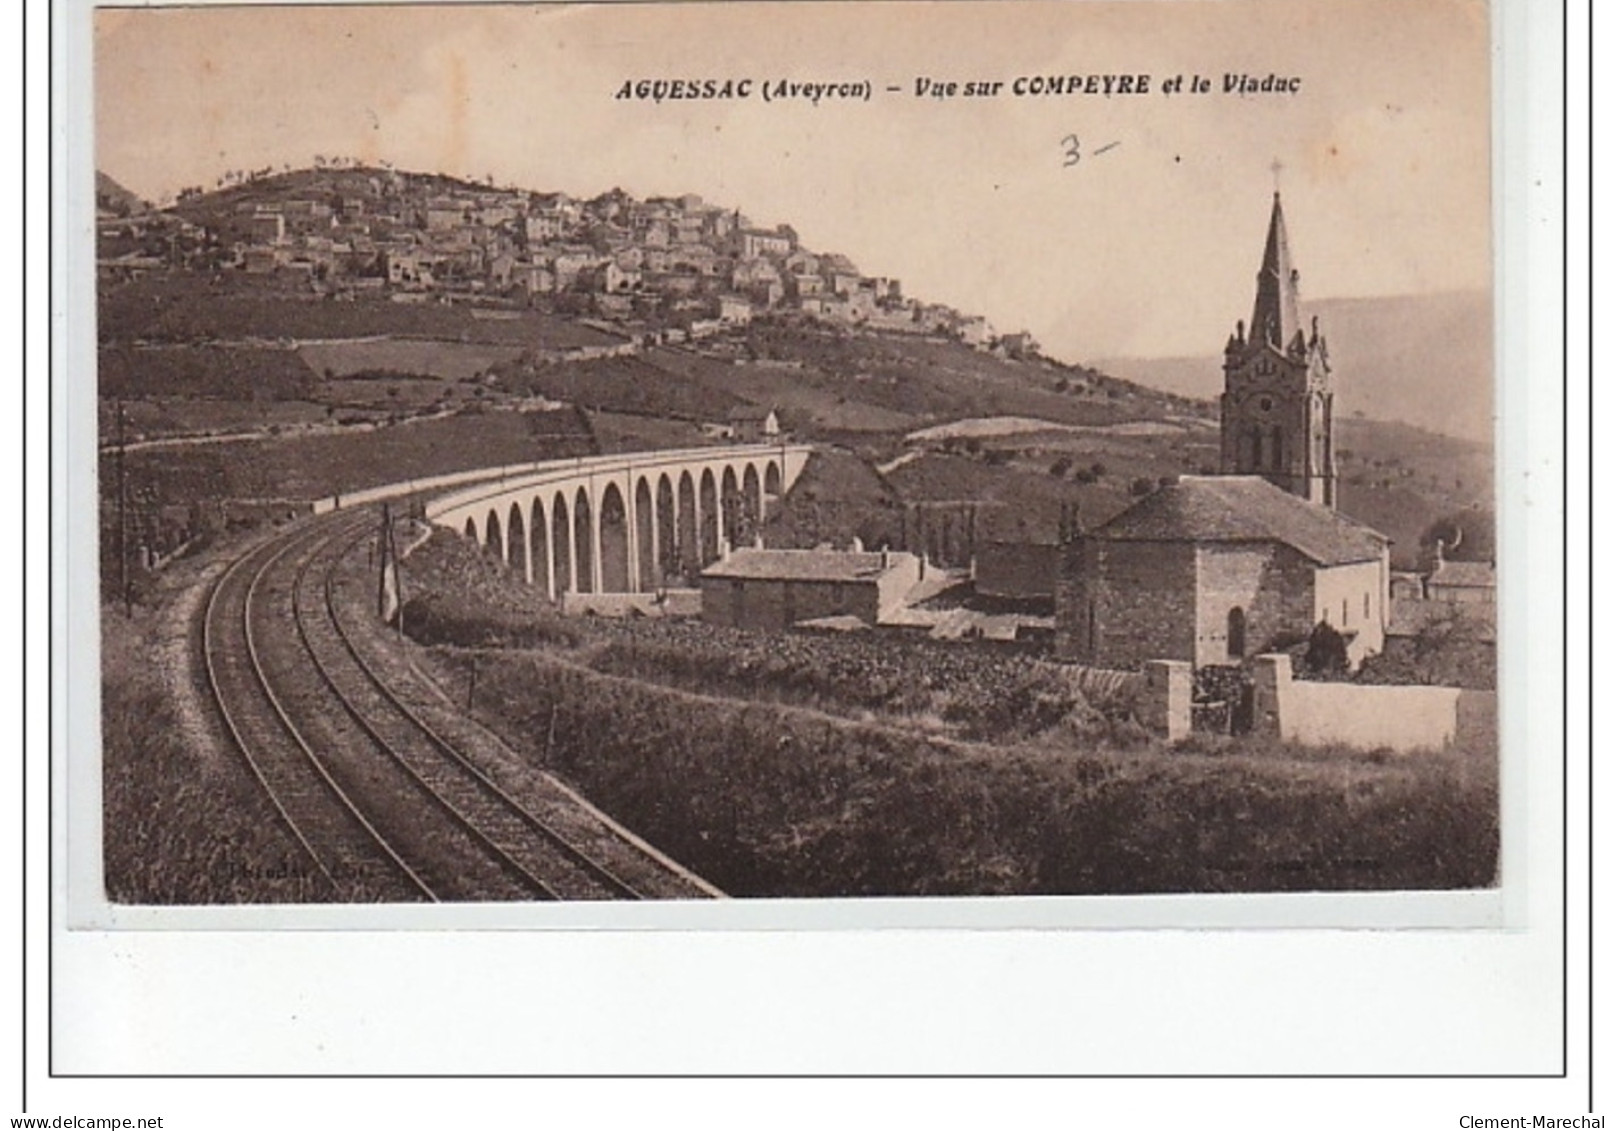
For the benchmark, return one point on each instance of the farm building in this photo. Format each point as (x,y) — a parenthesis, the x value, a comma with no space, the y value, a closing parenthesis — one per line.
(1217,568)
(774,589)
(1465,582)
(751,422)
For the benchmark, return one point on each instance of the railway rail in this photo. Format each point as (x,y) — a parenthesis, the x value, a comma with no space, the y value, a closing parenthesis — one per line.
(387,796)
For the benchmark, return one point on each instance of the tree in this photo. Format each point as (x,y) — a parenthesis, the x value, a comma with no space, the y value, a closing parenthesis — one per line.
(1468,535)
(1326,650)
(1142,486)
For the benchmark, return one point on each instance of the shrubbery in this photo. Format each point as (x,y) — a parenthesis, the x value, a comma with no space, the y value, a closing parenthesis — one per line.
(767,800)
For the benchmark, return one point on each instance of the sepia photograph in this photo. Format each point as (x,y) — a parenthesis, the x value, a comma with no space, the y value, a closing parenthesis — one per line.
(551,454)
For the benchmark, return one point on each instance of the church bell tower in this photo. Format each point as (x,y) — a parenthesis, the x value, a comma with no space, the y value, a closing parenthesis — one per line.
(1278,403)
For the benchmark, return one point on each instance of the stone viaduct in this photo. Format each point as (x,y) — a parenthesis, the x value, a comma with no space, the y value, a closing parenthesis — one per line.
(629,523)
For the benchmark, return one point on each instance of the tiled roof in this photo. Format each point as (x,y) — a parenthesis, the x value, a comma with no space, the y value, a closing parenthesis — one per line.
(1243,508)
(1472,621)
(802,565)
(1465,575)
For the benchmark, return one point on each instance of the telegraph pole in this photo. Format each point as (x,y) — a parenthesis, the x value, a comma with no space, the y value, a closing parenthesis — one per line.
(390,583)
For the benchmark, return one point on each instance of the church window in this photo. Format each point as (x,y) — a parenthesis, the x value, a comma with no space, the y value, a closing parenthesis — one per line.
(1236,633)
(1276,453)
(1266,404)
(1366,613)
(1345,614)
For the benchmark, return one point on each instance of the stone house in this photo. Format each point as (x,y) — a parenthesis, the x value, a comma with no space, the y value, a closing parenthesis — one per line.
(751,423)
(267,227)
(1217,568)
(770,590)
(1463,582)
(755,243)
(734,309)
(804,286)
(801,262)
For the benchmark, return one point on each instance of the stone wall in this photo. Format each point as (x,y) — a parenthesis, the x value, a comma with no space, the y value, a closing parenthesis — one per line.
(1119,604)
(1368,717)
(1270,582)
(765,604)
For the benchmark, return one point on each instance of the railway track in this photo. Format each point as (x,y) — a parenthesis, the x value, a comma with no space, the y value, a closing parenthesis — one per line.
(390,799)
(345,851)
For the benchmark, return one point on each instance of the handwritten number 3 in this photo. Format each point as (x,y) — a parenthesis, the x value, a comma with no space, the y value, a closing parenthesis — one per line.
(1073,151)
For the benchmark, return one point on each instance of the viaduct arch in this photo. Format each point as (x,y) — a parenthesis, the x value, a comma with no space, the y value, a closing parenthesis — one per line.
(629,523)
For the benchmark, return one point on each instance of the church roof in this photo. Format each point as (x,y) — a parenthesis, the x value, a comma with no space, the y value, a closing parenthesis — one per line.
(1276,318)
(1243,508)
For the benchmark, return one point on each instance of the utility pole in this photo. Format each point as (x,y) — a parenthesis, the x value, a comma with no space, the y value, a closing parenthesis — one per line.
(390,587)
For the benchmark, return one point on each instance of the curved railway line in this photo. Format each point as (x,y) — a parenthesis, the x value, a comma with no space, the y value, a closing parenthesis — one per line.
(388,794)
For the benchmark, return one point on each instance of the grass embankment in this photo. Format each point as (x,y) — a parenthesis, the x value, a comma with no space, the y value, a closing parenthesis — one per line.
(767,797)
(183,822)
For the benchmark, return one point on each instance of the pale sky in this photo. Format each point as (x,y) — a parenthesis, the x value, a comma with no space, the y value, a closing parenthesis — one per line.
(1149,248)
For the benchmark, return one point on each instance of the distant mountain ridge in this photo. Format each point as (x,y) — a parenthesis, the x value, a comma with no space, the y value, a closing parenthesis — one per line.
(113,197)
(1424,360)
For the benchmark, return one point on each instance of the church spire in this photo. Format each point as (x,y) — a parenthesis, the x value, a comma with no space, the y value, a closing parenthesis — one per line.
(1277,317)
(1278,399)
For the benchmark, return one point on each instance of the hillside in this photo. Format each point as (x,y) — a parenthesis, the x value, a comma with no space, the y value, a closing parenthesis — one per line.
(1420,359)
(313,374)
(112,197)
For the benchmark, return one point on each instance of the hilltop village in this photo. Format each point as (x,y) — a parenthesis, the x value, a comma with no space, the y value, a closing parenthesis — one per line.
(664,269)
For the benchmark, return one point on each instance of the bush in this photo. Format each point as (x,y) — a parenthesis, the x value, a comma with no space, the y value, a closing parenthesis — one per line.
(1326,651)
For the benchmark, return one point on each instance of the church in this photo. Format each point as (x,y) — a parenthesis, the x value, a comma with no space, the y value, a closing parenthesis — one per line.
(1215,568)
